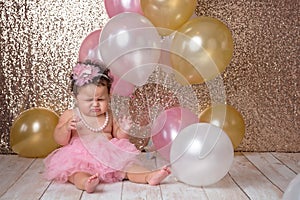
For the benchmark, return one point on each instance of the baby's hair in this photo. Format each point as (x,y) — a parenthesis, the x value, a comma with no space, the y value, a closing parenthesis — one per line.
(103,79)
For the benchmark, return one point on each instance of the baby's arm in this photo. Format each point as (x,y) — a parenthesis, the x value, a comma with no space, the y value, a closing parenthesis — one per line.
(121,130)
(63,130)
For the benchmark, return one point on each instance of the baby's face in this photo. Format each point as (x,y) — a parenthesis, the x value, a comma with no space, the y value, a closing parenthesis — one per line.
(93,100)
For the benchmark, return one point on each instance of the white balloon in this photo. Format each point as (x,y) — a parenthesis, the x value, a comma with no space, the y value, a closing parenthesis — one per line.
(201,154)
(130,47)
(292,192)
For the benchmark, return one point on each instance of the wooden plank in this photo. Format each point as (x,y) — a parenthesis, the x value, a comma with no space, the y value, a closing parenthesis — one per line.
(291,160)
(262,178)
(105,191)
(66,191)
(252,181)
(11,168)
(30,185)
(175,190)
(142,191)
(272,168)
(171,188)
(225,189)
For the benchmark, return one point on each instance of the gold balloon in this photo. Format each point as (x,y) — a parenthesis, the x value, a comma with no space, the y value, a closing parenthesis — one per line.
(168,15)
(31,134)
(201,49)
(227,118)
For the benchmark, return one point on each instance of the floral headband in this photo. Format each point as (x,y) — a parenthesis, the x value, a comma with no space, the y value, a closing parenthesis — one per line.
(85,73)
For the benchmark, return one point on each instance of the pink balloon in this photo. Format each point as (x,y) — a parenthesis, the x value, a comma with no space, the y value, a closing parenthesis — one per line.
(121,87)
(114,7)
(167,125)
(89,47)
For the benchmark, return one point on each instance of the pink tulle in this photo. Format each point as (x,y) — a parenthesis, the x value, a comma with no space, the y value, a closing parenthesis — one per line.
(107,158)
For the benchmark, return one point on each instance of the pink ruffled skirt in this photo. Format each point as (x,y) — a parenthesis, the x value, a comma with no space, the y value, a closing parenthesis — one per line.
(108,158)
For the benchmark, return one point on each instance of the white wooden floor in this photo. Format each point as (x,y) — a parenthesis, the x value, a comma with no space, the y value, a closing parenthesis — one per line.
(252,176)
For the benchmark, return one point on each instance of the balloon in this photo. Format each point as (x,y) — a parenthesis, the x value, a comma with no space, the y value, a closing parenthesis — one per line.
(292,192)
(114,7)
(121,87)
(201,49)
(31,134)
(165,55)
(227,118)
(167,125)
(89,47)
(201,154)
(130,46)
(169,15)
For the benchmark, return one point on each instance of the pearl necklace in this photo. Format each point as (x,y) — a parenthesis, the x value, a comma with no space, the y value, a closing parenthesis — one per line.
(91,128)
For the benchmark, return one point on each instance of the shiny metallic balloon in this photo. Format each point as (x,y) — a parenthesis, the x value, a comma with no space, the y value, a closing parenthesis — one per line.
(227,118)
(31,134)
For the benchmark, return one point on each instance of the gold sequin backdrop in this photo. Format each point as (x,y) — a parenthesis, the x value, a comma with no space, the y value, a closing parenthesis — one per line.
(40,40)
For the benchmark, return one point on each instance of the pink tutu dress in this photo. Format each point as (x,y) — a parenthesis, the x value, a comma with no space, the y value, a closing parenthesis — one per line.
(91,153)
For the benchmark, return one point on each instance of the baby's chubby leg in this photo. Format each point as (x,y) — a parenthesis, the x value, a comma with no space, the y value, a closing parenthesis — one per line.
(85,181)
(139,174)
(155,177)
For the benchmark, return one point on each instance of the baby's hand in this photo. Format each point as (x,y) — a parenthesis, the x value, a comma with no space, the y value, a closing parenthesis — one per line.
(125,123)
(72,123)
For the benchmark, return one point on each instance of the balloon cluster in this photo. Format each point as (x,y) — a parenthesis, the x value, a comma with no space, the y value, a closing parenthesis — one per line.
(141,34)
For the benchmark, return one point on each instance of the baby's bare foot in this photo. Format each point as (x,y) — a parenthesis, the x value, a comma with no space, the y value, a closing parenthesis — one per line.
(91,183)
(157,176)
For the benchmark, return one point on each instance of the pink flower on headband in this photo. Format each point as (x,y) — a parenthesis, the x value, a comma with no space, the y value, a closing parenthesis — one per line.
(83,74)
